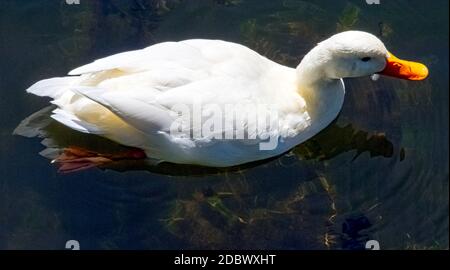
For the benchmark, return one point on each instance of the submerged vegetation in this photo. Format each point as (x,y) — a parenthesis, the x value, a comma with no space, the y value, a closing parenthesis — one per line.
(349,18)
(384,143)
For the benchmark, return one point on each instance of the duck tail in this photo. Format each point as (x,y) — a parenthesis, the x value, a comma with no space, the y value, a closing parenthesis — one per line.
(54,87)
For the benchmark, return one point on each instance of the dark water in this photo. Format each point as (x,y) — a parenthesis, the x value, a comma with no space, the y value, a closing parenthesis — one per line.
(379,172)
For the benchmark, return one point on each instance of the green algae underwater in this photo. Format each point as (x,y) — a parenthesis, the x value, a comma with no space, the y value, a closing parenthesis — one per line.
(379,171)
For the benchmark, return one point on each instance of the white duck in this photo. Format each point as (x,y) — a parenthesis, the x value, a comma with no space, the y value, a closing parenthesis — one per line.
(130,97)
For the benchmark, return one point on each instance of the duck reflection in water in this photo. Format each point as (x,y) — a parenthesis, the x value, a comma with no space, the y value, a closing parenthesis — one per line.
(61,142)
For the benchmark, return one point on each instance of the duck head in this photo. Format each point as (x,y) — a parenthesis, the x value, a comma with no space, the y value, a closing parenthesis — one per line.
(356,54)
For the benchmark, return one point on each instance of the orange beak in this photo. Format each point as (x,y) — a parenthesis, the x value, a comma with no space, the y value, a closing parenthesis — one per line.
(403,69)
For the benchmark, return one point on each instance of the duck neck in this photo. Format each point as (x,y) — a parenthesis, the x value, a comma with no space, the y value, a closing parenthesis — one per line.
(320,92)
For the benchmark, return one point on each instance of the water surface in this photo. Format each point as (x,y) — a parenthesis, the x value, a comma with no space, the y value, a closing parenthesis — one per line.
(380,171)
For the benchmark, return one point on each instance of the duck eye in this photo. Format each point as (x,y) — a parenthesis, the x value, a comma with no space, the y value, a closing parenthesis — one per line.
(365,59)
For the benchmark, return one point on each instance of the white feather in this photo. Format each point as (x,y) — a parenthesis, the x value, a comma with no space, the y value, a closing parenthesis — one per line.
(53,87)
